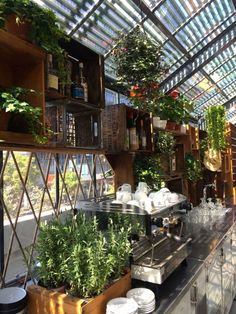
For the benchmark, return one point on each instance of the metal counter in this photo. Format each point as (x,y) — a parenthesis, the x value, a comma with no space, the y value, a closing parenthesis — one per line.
(205,241)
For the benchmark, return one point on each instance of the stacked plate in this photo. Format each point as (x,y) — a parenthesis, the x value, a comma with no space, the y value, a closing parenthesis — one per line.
(122,305)
(145,299)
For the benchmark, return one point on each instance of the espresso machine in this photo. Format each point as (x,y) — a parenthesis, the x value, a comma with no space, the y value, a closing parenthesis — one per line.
(164,244)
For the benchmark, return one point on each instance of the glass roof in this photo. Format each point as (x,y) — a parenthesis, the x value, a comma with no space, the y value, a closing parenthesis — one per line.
(198,39)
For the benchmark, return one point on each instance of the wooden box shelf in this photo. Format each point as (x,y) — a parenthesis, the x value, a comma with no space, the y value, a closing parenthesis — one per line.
(115,129)
(21,65)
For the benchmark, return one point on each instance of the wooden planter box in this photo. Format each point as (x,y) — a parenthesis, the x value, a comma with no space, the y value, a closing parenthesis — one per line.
(43,301)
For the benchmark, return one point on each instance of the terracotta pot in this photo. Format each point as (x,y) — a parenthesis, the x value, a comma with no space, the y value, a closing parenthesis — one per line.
(178,127)
(4,120)
(170,125)
(21,29)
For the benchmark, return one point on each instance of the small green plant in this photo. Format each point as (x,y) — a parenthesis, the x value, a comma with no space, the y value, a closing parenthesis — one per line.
(13,101)
(193,169)
(215,126)
(165,143)
(147,168)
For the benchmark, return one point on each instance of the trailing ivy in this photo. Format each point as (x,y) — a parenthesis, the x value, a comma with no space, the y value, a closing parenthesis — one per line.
(215,125)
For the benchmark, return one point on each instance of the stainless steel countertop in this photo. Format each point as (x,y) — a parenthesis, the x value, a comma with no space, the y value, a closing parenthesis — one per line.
(205,240)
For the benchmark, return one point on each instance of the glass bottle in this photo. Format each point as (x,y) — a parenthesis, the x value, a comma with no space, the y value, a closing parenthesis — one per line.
(52,77)
(77,91)
(83,81)
(142,136)
(133,137)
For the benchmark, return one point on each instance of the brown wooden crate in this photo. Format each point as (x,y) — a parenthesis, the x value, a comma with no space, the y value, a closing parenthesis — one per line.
(114,128)
(43,301)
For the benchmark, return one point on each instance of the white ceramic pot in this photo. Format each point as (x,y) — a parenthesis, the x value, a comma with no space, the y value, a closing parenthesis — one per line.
(156,122)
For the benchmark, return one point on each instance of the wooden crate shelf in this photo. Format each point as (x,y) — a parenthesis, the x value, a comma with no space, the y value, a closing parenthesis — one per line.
(43,301)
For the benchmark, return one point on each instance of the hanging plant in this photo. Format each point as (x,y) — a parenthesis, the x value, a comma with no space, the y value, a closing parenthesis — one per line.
(139,65)
(193,169)
(215,125)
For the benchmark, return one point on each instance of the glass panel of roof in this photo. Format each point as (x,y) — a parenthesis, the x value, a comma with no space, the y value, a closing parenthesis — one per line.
(173,13)
(201,25)
(228,55)
(154,31)
(152,3)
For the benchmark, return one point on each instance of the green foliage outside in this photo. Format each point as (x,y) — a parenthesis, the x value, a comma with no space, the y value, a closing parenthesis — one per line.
(13,187)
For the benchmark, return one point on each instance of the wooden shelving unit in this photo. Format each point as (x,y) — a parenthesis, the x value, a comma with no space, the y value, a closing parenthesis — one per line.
(21,65)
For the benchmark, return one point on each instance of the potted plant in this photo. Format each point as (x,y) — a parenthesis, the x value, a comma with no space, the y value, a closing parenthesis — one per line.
(75,252)
(53,249)
(174,110)
(139,65)
(12,101)
(41,26)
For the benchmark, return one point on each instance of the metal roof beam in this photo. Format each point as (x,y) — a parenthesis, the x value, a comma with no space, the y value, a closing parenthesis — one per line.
(144,8)
(215,94)
(199,81)
(205,91)
(215,29)
(84,19)
(201,58)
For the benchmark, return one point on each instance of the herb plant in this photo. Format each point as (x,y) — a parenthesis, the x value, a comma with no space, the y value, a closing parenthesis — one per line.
(53,251)
(215,125)
(75,252)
